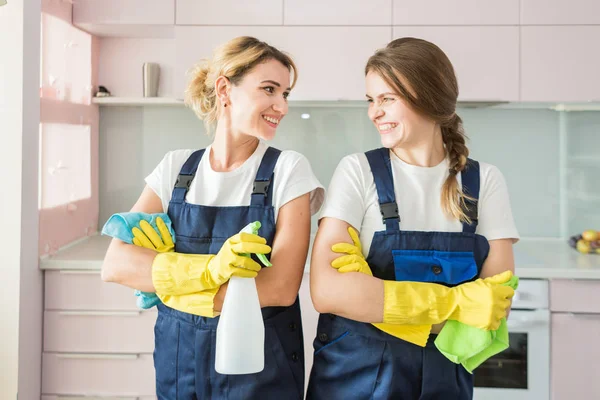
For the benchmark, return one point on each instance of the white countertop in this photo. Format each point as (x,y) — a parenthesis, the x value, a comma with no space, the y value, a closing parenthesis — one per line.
(534,258)
(553,258)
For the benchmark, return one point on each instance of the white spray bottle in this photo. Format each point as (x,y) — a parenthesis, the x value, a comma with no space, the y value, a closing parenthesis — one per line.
(240,345)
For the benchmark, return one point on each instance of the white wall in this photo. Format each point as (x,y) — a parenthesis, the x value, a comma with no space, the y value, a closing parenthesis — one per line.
(20,279)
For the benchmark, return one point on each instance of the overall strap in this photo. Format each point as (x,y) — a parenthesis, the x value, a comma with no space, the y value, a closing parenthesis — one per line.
(186,176)
(262,191)
(381,168)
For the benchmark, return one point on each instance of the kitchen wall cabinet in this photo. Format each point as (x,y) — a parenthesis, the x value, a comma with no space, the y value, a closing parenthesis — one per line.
(330,60)
(485,59)
(337,12)
(148,12)
(137,18)
(229,12)
(560,12)
(560,63)
(456,12)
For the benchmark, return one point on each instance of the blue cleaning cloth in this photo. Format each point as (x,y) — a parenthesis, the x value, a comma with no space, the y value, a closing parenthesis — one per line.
(470,346)
(119,226)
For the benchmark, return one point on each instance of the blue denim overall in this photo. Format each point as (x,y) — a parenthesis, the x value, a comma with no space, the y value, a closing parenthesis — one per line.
(355,360)
(184,355)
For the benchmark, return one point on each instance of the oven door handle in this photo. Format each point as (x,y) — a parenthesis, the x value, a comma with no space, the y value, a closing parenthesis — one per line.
(527,319)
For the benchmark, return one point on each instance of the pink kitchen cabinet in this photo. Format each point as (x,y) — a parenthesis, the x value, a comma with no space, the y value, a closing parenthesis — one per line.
(229,12)
(575,356)
(72,289)
(485,58)
(560,63)
(337,12)
(456,12)
(575,296)
(342,53)
(125,18)
(102,375)
(99,331)
(560,12)
(147,12)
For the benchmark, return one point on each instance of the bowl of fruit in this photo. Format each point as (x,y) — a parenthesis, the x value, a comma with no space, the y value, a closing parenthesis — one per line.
(587,243)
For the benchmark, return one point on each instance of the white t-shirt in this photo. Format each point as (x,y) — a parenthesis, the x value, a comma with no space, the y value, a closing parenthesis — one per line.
(293,178)
(352,197)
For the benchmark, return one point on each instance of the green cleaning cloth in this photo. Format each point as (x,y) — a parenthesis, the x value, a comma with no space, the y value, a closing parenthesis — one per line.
(470,346)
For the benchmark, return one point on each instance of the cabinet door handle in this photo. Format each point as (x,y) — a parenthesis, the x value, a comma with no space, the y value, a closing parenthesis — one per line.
(97,356)
(589,316)
(100,313)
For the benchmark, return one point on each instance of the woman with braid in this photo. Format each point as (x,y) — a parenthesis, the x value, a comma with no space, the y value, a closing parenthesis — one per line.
(411,235)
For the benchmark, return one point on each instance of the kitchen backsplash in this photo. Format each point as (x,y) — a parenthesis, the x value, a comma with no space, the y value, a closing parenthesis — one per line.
(550,159)
(583,171)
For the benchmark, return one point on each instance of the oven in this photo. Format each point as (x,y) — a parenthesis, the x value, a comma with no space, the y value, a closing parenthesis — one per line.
(523,370)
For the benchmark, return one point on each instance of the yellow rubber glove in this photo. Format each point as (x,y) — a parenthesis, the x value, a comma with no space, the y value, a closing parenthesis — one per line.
(178,273)
(354,261)
(147,237)
(199,303)
(161,242)
(481,303)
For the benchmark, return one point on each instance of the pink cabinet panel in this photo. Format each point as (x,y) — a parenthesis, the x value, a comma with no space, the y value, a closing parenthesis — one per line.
(456,12)
(66,61)
(560,64)
(229,12)
(151,12)
(99,331)
(337,12)
(485,59)
(574,356)
(84,290)
(105,375)
(560,12)
(576,296)
(342,53)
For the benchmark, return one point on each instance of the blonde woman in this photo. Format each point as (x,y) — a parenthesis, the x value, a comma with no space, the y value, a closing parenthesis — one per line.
(210,195)
(427,226)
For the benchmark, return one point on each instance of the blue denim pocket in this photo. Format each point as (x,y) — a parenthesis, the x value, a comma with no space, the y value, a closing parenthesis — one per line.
(447,267)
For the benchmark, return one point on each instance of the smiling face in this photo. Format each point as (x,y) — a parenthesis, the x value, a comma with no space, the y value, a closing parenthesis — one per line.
(397,123)
(259,102)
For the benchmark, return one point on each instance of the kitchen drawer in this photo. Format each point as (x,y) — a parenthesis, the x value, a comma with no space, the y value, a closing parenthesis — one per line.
(85,290)
(574,368)
(577,296)
(71,397)
(99,331)
(104,375)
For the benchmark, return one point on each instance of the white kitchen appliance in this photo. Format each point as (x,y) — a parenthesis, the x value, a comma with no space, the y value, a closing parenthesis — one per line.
(521,372)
